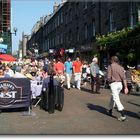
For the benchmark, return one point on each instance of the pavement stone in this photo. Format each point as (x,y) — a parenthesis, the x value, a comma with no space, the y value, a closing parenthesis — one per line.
(83,113)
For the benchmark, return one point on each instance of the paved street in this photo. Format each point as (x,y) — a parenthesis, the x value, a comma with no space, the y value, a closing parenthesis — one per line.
(83,113)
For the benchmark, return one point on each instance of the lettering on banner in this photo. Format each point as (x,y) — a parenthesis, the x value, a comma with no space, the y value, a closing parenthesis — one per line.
(9,93)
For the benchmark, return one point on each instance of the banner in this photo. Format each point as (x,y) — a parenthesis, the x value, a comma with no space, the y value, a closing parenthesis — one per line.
(3,48)
(14,93)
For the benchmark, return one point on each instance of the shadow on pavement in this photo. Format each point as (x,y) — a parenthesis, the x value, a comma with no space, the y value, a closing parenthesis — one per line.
(13,110)
(99,109)
(104,111)
(134,94)
(86,90)
(132,114)
(133,103)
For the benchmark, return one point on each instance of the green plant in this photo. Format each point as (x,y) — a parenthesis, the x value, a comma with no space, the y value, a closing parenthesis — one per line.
(131,55)
(112,38)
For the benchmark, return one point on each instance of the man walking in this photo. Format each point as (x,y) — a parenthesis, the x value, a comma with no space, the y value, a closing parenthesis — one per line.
(68,71)
(59,66)
(77,70)
(95,79)
(116,76)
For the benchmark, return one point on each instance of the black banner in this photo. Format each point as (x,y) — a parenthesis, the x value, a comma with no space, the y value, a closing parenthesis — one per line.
(14,93)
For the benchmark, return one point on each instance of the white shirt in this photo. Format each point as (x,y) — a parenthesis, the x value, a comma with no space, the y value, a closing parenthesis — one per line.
(19,75)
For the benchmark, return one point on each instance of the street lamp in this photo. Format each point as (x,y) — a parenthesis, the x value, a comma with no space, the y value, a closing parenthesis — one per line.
(9,38)
(14,29)
(35,48)
(1,39)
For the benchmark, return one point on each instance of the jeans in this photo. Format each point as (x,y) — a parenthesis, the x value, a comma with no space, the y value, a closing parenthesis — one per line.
(116,87)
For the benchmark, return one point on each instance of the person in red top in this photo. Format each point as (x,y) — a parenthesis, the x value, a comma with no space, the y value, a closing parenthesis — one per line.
(59,66)
(77,70)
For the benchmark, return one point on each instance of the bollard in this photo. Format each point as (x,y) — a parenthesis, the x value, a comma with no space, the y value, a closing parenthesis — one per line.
(51,105)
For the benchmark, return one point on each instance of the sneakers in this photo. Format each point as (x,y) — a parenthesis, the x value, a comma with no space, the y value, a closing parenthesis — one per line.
(79,88)
(98,92)
(73,86)
(110,112)
(139,114)
(122,118)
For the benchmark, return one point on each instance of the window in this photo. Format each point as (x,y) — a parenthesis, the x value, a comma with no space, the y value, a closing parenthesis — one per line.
(70,35)
(46,45)
(133,15)
(61,40)
(66,18)
(93,2)
(139,15)
(49,43)
(111,21)
(85,5)
(77,34)
(46,31)
(53,42)
(61,17)
(55,22)
(77,9)
(58,39)
(85,31)
(58,18)
(93,28)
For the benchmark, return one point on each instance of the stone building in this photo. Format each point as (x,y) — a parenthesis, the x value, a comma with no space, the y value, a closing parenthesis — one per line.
(73,26)
(5,24)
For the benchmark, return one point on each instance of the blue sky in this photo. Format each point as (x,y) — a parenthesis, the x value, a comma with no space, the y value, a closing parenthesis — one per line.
(25,13)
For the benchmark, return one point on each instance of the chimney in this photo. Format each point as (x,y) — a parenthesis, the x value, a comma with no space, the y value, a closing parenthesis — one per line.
(55,7)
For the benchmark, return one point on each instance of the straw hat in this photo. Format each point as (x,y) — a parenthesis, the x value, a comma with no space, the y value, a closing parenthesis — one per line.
(136,72)
(129,67)
(28,75)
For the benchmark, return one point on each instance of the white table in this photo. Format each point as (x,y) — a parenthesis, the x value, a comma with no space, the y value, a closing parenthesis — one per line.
(36,88)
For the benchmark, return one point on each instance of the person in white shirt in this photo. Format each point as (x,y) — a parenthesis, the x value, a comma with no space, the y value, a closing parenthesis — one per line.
(8,71)
(18,73)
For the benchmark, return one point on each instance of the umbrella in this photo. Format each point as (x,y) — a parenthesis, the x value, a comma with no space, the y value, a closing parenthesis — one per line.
(7,57)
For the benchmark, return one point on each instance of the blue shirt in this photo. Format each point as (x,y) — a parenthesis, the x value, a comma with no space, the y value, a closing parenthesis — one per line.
(68,67)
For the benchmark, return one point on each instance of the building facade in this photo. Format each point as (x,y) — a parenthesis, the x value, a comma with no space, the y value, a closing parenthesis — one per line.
(73,26)
(5,24)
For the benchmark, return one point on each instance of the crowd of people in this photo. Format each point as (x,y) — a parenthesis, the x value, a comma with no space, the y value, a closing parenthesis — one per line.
(39,70)
(81,71)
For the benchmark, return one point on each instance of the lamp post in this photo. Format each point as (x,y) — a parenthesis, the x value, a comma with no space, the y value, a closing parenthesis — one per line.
(1,39)
(35,48)
(15,31)
(9,38)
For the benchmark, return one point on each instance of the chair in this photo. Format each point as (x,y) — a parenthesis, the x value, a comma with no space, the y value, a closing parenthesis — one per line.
(36,92)
(103,82)
(38,99)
